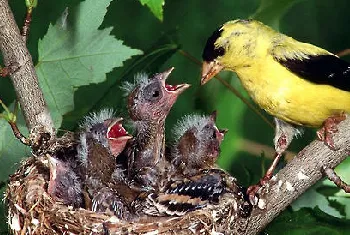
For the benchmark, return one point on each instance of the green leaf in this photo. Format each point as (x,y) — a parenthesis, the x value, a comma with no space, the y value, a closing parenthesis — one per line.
(156,6)
(340,196)
(11,149)
(77,55)
(311,199)
(307,221)
(271,11)
(327,197)
(232,109)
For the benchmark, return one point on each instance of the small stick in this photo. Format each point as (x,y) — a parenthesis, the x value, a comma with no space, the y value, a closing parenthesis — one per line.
(24,140)
(11,119)
(30,4)
(332,176)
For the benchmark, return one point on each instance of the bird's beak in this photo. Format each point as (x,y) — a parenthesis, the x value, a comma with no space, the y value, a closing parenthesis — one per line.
(117,137)
(166,73)
(221,134)
(209,70)
(172,89)
(116,130)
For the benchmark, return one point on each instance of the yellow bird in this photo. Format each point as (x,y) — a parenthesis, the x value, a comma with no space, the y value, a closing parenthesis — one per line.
(298,83)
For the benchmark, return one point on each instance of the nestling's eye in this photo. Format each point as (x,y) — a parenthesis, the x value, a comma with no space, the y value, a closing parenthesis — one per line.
(209,131)
(152,92)
(155,94)
(214,135)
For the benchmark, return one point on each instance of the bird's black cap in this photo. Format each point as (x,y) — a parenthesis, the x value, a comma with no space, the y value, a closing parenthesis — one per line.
(210,52)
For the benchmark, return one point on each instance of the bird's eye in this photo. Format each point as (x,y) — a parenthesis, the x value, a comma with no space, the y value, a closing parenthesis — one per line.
(152,92)
(155,93)
(214,135)
(209,131)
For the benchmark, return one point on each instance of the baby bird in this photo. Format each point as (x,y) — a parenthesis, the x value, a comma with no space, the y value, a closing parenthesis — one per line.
(189,194)
(102,139)
(149,102)
(197,144)
(298,83)
(193,182)
(65,185)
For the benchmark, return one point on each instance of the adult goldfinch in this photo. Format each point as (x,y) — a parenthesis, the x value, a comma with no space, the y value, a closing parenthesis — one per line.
(298,83)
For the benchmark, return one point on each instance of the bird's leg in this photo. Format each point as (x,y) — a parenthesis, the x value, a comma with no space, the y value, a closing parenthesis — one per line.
(284,135)
(329,127)
(269,172)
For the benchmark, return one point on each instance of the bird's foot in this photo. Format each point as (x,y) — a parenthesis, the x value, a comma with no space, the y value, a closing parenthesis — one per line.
(329,127)
(252,191)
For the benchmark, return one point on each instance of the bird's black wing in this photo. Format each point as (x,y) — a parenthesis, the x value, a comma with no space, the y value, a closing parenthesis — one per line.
(321,69)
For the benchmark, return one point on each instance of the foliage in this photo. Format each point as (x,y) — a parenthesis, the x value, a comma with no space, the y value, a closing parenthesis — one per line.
(81,64)
(156,6)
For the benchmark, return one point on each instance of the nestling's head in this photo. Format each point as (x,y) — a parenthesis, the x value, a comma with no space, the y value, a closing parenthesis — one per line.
(198,142)
(231,46)
(106,129)
(151,99)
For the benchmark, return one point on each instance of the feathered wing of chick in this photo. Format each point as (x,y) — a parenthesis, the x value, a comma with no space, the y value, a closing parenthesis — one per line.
(149,102)
(298,83)
(189,194)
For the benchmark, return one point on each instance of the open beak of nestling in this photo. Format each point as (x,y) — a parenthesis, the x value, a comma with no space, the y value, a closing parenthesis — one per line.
(172,89)
(221,134)
(117,136)
(209,70)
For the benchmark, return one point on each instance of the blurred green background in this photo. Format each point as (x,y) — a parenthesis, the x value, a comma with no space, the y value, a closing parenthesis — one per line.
(181,35)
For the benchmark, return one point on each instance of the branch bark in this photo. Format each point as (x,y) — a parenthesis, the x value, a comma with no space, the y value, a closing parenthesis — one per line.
(297,176)
(24,77)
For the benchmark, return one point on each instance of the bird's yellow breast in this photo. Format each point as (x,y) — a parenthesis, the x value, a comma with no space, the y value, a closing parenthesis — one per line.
(289,97)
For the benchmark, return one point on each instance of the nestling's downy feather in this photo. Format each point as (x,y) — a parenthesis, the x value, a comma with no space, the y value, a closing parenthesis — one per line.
(140,79)
(196,121)
(97,117)
(88,122)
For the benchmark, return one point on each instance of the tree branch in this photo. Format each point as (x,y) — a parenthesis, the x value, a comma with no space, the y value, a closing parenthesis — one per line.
(24,78)
(297,176)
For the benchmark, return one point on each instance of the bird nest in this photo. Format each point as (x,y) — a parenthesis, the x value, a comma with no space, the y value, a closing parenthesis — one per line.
(31,210)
